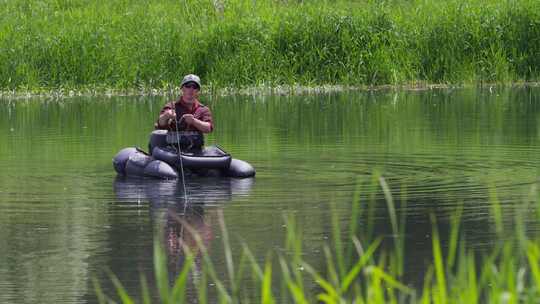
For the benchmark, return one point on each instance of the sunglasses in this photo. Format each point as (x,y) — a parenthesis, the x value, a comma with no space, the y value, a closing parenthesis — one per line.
(191,86)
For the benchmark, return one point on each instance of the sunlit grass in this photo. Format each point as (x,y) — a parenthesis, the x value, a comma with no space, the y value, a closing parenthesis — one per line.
(147,44)
(508,273)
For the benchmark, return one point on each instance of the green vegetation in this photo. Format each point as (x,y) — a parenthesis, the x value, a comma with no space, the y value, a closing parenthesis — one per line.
(362,270)
(136,44)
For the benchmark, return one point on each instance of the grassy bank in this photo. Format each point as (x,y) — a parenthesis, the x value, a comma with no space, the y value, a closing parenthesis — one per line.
(142,45)
(360,267)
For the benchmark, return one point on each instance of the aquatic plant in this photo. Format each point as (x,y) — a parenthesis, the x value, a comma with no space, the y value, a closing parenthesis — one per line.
(509,272)
(145,45)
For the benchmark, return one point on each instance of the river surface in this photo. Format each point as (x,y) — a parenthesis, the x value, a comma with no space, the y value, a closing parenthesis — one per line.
(66,218)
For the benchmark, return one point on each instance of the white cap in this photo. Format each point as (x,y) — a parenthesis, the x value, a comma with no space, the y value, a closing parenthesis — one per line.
(191,78)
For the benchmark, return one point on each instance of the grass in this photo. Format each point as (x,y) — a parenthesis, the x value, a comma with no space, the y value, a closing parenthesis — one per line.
(144,45)
(508,273)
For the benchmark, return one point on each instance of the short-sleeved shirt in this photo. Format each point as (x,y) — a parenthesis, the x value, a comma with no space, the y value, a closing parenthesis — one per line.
(198,110)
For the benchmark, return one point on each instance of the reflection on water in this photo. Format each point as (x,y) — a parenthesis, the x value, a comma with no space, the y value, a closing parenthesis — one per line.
(180,229)
(208,191)
(178,220)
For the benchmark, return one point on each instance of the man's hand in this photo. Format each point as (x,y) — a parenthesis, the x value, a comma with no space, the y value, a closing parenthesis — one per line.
(188,118)
(166,118)
(169,113)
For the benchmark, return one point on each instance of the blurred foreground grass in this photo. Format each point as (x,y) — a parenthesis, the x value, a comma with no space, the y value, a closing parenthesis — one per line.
(358,268)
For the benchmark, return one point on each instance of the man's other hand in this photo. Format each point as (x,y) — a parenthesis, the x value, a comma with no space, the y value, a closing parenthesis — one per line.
(188,118)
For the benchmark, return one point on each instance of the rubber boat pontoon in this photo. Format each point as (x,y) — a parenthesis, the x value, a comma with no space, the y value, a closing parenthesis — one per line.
(165,161)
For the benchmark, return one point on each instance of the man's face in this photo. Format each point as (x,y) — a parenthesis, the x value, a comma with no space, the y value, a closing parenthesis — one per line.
(190,90)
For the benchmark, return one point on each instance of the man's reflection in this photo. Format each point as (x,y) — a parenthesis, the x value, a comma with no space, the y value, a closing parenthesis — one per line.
(177,219)
(179,228)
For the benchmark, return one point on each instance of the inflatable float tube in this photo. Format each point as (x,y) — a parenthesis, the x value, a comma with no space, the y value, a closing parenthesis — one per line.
(164,162)
(135,162)
(212,157)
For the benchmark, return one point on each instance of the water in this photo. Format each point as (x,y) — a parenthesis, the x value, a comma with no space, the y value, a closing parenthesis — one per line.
(66,218)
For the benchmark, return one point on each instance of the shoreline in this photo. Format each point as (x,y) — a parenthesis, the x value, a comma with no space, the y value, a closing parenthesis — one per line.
(135,48)
(292,90)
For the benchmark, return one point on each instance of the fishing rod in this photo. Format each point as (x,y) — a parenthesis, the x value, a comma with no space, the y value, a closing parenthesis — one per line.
(177,122)
(186,202)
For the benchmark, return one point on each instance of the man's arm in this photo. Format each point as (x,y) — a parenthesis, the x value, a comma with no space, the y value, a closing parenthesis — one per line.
(203,120)
(202,126)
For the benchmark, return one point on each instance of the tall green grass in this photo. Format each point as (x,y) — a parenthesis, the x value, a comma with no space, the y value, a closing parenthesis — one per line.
(137,44)
(507,273)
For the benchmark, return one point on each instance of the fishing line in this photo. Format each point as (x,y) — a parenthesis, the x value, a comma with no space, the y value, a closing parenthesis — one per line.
(181,162)
(181,169)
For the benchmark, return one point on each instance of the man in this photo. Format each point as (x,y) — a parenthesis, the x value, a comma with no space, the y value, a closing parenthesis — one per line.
(188,116)
(187,113)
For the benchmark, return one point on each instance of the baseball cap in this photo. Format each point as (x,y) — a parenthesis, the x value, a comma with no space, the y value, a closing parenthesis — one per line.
(191,78)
